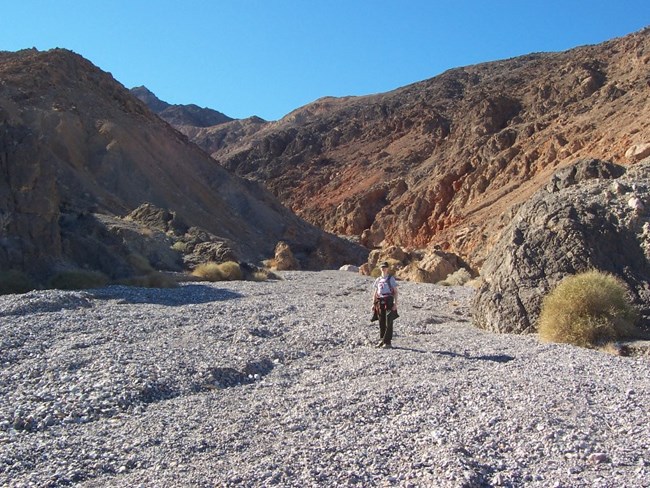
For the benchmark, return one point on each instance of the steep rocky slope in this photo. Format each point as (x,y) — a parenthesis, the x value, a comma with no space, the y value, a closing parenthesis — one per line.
(444,161)
(75,143)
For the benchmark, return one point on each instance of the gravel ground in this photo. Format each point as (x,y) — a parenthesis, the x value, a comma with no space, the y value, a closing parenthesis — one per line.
(277,384)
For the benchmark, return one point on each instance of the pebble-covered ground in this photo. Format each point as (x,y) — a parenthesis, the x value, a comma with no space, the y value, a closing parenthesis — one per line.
(277,384)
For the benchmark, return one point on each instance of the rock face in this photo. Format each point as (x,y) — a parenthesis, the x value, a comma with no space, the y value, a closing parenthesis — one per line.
(592,215)
(284,259)
(180,115)
(75,144)
(444,160)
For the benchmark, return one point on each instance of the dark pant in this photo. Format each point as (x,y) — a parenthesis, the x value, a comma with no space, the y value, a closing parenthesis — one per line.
(386,320)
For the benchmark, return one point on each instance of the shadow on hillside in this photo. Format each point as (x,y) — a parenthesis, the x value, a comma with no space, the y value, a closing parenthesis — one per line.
(173,297)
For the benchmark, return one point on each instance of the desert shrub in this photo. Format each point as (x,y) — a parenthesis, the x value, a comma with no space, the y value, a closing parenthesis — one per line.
(180,246)
(587,310)
(230,271)
(154,279)
(139,263)
(457,278)
(78,279)
(259,276)
(208,271)
(475,283)
(14,281)
(211,271)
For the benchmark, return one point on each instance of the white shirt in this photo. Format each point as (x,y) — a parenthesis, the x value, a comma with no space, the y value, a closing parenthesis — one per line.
(385,286)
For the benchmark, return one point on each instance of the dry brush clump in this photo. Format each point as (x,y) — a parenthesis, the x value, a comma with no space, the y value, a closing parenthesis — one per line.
(78,279)
(211,271)
(14,281)
(154,279)
(588,309)
(457,278)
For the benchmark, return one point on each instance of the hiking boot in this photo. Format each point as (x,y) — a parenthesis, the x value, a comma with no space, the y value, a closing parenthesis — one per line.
(387,346)
(380,344)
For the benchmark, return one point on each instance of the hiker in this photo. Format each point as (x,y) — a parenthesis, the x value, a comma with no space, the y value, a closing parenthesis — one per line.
(384,303)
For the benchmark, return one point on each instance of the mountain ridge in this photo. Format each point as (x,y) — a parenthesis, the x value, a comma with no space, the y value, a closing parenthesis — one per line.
(179,115)
(75,143)
(444,161)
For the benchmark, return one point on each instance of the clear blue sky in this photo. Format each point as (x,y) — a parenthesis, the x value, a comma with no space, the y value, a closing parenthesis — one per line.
(269,57)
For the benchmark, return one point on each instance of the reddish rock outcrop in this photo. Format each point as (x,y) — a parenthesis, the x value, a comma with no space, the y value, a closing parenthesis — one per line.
(445,160)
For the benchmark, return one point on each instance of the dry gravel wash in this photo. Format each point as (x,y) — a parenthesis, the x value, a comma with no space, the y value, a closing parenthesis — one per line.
(276,384)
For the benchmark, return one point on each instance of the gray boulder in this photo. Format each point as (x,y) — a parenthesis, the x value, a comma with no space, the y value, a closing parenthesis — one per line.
(592,215)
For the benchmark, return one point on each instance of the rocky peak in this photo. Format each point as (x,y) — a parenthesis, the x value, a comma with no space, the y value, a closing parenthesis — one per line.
(180,115)
(150,100)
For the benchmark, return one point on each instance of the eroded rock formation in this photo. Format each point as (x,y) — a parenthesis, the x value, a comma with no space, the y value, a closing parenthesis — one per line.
(593,215)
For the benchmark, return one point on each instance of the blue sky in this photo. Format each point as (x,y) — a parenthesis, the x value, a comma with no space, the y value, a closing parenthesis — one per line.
(269,57)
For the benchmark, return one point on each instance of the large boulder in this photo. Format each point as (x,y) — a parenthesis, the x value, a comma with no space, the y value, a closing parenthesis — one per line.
(284,259)
(592,215)
(434,266)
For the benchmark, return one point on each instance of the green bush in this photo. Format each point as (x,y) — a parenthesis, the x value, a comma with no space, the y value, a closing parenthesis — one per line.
(78,280)
(14,281)
(588,310)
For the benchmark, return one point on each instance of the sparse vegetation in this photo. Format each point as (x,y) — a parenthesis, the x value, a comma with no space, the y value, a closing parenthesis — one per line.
(262,274)
(228,271)
(457,278)
(231,271)
(208,272)
(14,281)
(259,276)
(180,246)
(78,279)
(154,279)
(140,263)
(588,310)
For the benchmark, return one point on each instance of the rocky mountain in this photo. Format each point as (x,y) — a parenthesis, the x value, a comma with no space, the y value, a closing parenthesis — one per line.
(180,115)
(78,152)
(446,161)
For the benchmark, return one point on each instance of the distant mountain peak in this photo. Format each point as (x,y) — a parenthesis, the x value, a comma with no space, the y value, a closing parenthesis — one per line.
(149,98)
(180,115)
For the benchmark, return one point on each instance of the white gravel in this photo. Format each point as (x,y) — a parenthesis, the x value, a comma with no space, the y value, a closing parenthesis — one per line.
(276,384)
